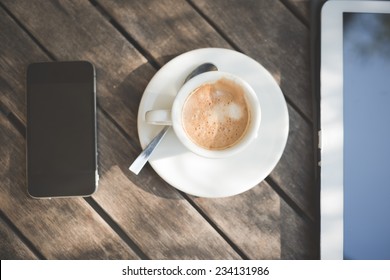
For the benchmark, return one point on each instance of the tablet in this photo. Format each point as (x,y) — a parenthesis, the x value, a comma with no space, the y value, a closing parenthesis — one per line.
(355,130)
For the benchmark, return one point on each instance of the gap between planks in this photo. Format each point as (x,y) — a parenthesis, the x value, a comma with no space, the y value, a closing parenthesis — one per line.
(214,226)
(21,237)
(235,47)
(116,228)
(295,12)
(157,66)
(21,129)
(106,217)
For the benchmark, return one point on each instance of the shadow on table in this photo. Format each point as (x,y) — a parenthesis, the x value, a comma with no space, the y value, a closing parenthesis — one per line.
(118,142)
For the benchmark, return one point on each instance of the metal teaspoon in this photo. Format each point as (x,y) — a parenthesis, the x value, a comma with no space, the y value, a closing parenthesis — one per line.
(141,160)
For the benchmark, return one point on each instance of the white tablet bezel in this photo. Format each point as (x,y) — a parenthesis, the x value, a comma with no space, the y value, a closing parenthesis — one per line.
(331,114)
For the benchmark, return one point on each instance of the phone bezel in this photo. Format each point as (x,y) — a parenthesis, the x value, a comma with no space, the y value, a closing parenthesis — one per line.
(55,73)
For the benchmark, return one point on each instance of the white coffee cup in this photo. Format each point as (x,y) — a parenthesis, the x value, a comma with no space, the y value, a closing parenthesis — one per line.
(228,122)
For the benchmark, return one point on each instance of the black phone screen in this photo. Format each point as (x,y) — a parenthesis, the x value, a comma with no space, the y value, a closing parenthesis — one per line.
(61,129)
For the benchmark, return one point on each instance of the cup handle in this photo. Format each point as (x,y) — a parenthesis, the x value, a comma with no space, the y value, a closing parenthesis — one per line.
(158,117)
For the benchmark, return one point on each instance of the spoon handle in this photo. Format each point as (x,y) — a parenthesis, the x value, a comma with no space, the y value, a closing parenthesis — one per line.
(141,160)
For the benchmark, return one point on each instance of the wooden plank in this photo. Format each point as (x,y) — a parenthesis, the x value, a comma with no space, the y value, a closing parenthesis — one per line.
(146,208)
(168,11)
(79,32)
(298,238)
(126,127)
(151,212)
(164,28)
(301,7)
(295,180)
(271,34)
(16,51)
(11,247)
(12,65)
(261,224)
(58,228)
(295,171)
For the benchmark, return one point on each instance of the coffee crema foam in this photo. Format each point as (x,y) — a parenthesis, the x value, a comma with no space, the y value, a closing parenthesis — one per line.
(215,116)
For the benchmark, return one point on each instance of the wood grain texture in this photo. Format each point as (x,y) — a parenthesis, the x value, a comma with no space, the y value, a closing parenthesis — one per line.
(101,242)
(11,247)
(261,224)
(164,28)
(292,178)
(152,213)
(75,30)
(273,36)
(147,209)
(295,178)
(13,64)
(59,228)
(298,239)
(295,171)
(301,7)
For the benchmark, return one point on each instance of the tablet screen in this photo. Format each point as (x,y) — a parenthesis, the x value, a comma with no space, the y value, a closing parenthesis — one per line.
(366,112)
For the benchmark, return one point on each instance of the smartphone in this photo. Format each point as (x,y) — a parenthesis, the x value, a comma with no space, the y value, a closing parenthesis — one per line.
(61,129)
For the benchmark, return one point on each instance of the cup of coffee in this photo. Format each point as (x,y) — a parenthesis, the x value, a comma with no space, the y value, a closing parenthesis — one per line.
(215,114)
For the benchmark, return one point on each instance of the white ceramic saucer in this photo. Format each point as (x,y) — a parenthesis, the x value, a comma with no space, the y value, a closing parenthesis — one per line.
(205,177)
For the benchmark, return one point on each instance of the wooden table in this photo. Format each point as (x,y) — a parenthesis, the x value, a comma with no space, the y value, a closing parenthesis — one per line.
(143,217)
